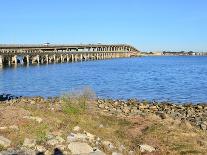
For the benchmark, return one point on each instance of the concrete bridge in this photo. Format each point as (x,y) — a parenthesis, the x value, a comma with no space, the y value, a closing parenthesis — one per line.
(51,53)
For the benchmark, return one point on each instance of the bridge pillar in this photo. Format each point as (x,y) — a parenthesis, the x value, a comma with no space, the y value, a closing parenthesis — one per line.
(14,60)
(27,59)
(9,61)
(46,58)
(36,59)
(81,57)
(67,57)
(61,58)
(76,57)
(72,57)
(1,61)
(42,60)
(54,58)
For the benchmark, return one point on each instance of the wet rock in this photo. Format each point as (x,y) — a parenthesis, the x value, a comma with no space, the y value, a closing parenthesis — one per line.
(4,142)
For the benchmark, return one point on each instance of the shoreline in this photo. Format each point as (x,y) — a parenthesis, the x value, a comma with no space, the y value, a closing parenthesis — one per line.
(104,126)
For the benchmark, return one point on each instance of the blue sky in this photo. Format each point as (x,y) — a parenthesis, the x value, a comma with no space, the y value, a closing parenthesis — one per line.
(149,25)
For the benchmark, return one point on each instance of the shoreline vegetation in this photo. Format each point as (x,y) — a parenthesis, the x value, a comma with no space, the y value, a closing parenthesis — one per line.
(80,123)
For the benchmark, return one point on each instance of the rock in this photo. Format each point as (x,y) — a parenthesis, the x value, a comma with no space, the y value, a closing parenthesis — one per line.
(4,142)
(77,137)
(126,110)
(3,128)
(101,106)
(48,152)
(116,153)
(40,148)
(30,143)
(161,114)
(203,126)
(22,151)
(131,152)
(80,148)
(90,136)
(76,128)
(108,144)
(14,127)
(53,142)
(146,148)
(61,147)
(101,126)
(121,148)
(97,152)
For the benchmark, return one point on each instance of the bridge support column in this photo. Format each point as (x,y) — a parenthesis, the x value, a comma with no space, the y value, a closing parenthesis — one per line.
(67,57)
(46,58)
(81,57)
(1,61)
(97,56)
(14,60)
(54,58)
(36,59)
(42,60)
(76,57)
(72,57)
(9,61)
(27,59)
(61,58)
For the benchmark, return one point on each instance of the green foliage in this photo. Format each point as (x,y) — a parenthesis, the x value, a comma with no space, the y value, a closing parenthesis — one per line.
(1,147)
(41,133)
(75,101)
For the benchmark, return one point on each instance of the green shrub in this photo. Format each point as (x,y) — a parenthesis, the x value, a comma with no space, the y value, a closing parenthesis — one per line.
(75,101)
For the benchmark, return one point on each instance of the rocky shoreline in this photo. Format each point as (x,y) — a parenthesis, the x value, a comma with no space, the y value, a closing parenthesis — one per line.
(80,141)
(196,114)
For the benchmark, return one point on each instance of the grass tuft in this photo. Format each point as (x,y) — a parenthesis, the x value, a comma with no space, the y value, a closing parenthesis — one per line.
(75,101)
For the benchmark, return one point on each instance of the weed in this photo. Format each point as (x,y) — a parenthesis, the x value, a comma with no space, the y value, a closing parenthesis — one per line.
(75,101)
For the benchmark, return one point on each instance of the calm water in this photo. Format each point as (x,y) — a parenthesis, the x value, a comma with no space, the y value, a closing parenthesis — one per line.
(180,79)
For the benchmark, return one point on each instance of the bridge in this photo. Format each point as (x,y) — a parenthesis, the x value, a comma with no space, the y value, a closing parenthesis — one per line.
(14,54)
